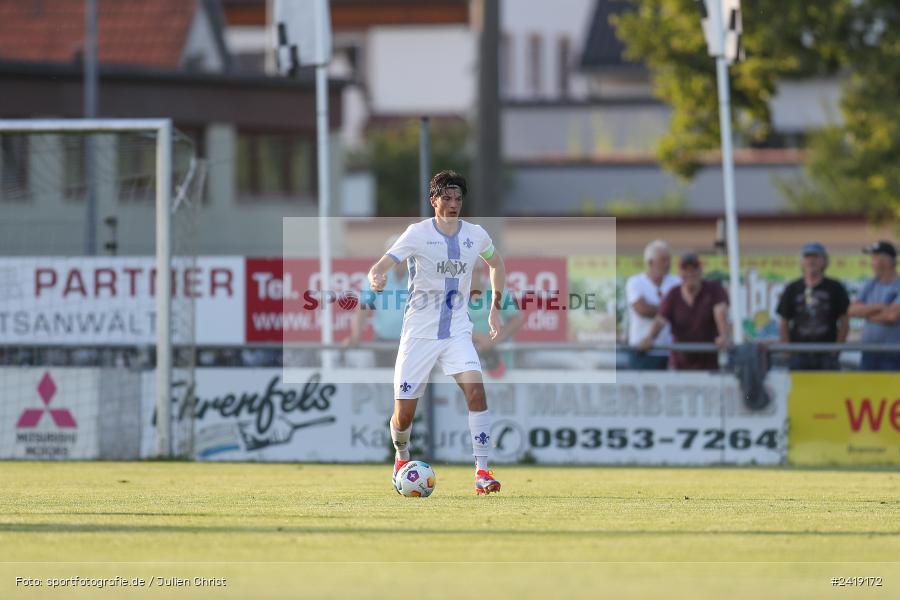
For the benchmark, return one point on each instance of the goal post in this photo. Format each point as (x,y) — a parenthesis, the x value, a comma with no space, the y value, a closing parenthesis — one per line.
(162,130)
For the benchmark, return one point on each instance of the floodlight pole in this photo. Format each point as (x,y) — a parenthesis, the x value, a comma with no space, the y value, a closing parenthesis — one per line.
(304,31)
(90,112)
(425,211)
(163,289)
(324,208)
(731,231)
(424,168)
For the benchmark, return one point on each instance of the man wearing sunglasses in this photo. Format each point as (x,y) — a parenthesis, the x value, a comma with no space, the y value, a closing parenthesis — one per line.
(814,309)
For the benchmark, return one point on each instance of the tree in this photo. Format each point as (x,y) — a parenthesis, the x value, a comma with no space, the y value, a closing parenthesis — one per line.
(393,156)
(855,166)
(782,39)
(851,165)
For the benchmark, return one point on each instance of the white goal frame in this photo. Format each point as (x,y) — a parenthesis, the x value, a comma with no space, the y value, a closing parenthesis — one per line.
(162,128)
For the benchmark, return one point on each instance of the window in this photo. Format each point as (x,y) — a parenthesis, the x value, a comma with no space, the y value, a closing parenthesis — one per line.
(535,51)
(74,166)
(275,167)
(137,167)
(136,157)
(14,168)
(565,58)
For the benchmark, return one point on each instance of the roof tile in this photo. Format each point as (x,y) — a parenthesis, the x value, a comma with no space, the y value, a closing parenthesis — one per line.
(149,33)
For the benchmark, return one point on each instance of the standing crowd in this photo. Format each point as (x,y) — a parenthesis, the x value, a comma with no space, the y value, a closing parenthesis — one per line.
(664,308)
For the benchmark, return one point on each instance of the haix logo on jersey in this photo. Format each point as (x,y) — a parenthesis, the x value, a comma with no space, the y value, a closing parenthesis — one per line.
(451,267)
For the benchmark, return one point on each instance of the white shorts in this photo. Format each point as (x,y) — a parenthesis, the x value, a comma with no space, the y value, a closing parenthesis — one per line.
(416,357)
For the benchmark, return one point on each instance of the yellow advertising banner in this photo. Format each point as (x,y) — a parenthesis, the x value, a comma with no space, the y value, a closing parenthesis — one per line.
(844,419)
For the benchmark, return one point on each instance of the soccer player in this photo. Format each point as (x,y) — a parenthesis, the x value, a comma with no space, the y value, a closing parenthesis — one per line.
(441,253)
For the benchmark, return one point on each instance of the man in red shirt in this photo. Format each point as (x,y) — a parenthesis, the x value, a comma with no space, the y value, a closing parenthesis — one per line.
(697,310)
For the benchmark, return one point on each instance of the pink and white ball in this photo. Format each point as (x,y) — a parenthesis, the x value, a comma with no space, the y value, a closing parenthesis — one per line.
(415,480)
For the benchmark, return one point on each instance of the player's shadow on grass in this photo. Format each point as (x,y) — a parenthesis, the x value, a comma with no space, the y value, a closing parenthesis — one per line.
(107,528)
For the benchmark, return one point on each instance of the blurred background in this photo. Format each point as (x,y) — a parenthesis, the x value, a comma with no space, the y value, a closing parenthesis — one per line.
(589,132)
(556,111)
(598,108)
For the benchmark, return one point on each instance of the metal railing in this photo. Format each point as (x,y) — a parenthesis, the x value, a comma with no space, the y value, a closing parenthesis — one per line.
(22,355)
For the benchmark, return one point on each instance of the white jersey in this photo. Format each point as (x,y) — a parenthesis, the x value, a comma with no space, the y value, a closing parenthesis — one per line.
(440,277)
(641,286)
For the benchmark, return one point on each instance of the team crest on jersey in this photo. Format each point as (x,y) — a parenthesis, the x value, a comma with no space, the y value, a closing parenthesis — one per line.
(468,243)
(451,267)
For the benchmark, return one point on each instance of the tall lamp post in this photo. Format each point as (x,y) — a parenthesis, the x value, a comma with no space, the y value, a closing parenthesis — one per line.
(722,28)
(303,38)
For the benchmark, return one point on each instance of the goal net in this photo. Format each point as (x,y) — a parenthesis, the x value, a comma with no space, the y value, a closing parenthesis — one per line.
(93,344)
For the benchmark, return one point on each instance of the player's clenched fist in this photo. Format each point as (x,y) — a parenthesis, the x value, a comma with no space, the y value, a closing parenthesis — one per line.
(377,281)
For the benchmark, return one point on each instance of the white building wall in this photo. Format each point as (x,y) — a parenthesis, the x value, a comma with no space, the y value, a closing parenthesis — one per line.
(421,70)
(808,104)
(47,223)
(519,19)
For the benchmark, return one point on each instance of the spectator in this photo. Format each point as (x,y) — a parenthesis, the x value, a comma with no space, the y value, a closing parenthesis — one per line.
(644,292)
(814,309)
(385,310)
(879,304)
(697,310)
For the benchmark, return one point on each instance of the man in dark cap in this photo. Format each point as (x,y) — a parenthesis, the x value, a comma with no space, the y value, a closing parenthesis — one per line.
(697,311)
(879,304)
(814,309)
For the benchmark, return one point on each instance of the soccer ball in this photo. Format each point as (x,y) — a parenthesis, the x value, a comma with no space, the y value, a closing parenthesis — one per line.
(415,480)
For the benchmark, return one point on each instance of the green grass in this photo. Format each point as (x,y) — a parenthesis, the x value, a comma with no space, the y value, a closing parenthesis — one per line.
(303,530)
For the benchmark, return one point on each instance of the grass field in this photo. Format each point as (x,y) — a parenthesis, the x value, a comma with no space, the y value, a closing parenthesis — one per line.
(311,531)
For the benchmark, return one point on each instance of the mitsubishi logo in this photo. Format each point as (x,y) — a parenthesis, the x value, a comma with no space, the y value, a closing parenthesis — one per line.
(30,417)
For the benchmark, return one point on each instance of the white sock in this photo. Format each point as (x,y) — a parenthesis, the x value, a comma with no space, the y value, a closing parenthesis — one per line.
(401,441)
(480,429)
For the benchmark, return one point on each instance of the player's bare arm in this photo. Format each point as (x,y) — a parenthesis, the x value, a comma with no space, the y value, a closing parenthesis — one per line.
(497,274)
(378,273)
